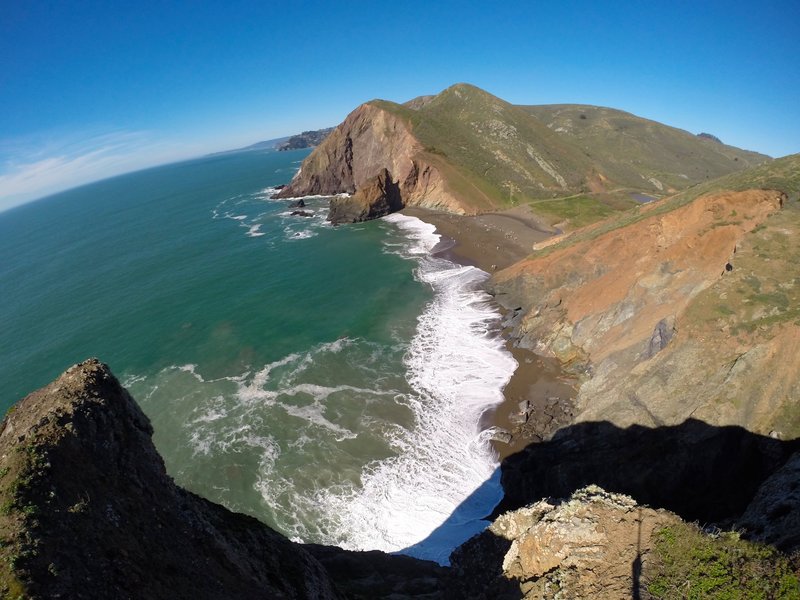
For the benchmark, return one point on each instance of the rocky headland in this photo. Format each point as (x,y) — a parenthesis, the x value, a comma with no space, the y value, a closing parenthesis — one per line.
(465,151)
(307,139)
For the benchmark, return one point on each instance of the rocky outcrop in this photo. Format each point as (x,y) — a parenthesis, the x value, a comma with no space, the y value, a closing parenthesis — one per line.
(376,198)
(641,312)
(709,136)
(591,545)
(88,510)
(370,142)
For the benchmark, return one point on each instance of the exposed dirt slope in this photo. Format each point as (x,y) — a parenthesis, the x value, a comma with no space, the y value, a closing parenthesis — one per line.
(630,309)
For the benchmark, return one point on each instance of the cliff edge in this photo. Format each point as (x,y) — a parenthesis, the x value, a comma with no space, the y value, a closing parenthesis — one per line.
(88,510)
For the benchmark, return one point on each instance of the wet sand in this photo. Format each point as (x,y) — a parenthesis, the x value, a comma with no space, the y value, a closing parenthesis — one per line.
(492,242)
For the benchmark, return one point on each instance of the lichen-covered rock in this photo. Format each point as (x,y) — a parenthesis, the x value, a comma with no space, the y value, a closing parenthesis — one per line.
(592,545)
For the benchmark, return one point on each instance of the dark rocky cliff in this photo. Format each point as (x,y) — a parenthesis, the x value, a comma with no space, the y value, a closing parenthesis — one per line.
(89,511)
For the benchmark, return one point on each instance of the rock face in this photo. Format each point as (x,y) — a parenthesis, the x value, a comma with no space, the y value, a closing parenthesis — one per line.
(376,198)
(773,517)
(656,322)
(591,545)
(89,511)
(370,142)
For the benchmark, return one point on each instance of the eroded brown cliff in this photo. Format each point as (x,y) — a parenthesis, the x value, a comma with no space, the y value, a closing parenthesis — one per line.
(369,142)
(670,317)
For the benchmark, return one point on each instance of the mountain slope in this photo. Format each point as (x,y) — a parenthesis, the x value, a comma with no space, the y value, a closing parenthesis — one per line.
(684,308)
(467,151)
(639,153)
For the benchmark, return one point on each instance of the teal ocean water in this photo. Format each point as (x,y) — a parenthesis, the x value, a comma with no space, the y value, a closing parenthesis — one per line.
(327,380)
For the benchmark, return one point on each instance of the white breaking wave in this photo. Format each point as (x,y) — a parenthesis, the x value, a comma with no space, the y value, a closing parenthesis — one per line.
(254,231)
(432,496)
(296,433)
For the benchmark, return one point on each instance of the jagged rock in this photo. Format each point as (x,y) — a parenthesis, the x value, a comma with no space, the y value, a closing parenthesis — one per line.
(594,544)
(91,513)
(297,204)
(377,197)
(501,435)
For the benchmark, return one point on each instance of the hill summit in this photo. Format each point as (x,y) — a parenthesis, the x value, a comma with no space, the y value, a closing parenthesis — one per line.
(467,151)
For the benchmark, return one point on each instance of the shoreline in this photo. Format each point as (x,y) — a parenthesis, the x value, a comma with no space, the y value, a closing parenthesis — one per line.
(492,242)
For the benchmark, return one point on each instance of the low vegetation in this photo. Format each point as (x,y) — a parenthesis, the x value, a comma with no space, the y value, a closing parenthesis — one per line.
(687,563)
(517,154)
(576,211)
(782,174)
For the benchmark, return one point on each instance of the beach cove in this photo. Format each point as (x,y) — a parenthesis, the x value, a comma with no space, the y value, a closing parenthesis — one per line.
(337,383)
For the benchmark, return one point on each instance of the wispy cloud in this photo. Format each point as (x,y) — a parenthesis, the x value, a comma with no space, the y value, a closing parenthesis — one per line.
(32,168)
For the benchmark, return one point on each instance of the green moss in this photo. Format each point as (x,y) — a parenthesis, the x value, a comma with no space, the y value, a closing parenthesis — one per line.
(686,563)
(725,310)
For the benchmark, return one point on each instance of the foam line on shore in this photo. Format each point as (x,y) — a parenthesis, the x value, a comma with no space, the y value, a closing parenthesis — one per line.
(457,365)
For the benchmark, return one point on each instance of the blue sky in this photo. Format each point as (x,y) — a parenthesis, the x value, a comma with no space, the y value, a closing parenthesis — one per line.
(93,89)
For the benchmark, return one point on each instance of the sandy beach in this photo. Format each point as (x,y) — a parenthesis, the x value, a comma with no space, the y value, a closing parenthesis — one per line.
(491,242)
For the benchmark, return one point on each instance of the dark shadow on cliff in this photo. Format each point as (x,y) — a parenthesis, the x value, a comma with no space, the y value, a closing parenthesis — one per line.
(698,471)
(701,472)
(476,565)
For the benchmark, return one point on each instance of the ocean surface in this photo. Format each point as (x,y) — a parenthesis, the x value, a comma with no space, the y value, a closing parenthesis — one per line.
(327,380)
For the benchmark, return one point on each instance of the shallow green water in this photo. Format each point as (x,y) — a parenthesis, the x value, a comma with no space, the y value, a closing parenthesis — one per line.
(292,370)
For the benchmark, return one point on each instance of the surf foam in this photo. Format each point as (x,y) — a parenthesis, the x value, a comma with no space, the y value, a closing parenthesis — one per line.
(432,496)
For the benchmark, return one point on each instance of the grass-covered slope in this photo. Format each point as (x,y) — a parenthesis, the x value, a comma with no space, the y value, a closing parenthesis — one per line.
(498,143)
(529,152)
(640,153)
(782,174)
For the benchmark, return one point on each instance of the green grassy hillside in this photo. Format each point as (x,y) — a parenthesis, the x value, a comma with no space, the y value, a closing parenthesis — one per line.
(518,154)
(639,153)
